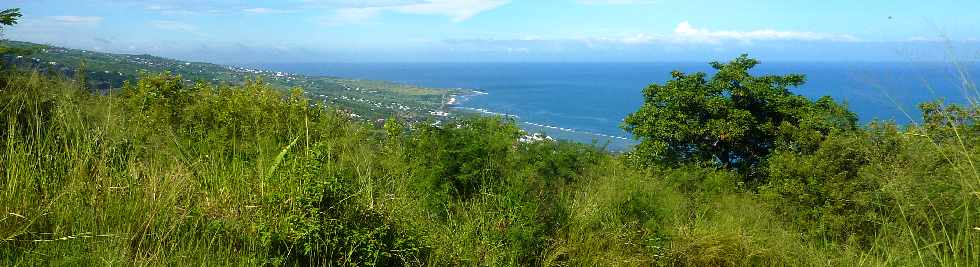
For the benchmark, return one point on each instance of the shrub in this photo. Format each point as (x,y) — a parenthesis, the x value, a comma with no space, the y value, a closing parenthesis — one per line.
(464,157)
(327,227)
(828,193)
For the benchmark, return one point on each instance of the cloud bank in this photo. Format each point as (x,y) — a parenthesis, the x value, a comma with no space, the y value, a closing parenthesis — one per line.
(173,26)
(684,33)
(616,2)
(456,10)
(343,11)
(688,33)
(76,20)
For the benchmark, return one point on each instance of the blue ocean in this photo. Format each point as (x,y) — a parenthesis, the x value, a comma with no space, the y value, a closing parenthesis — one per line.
(587,102)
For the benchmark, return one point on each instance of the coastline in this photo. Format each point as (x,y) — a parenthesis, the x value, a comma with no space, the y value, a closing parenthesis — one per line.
(553,132)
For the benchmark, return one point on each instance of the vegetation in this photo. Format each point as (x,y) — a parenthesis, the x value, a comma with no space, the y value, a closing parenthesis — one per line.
(732,171)
(369,100)
(9,17)
(165,172)
(734,120)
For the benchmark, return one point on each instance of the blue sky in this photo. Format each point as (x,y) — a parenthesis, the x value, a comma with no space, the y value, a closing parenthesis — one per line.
(506,30)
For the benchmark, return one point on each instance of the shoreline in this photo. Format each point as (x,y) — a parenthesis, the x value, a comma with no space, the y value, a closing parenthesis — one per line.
(457,101)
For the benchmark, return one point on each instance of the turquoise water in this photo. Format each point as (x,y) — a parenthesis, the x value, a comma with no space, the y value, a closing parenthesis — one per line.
(586,102)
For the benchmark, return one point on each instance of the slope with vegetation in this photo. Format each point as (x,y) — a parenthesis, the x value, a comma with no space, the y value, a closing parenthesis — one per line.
(166,173)
(368,99)
(732,170)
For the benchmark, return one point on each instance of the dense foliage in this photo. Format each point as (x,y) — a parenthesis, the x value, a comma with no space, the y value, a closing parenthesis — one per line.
(9,17)
(734,119)
(165,172)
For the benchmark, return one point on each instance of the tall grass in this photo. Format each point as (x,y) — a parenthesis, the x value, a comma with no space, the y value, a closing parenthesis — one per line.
(941,219)
(165,173)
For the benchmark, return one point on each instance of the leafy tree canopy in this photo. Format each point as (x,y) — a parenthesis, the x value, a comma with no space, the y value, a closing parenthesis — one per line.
(732,120)
(8,17)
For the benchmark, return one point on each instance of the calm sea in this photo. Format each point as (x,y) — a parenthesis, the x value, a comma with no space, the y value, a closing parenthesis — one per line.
(587,102)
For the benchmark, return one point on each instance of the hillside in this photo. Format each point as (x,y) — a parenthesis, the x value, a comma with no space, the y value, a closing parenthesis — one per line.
(168,173)
(137,160)
(367,99)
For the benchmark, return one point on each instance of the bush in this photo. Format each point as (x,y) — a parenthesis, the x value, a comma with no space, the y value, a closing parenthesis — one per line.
(327,227)
(829,193)
(464,157)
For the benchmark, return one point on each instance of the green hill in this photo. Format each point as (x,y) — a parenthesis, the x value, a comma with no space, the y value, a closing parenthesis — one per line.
(367,99)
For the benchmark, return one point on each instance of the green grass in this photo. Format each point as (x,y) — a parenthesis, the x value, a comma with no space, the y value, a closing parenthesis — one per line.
(164,173)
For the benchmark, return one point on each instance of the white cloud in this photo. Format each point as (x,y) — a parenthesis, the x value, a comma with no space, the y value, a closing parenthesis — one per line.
(77,20)
(456,10)
(339,11)
(616,2)
(638,39)
(685,32)
(350,16)
(169,10)
(173,26)
(262,10)
(683,35)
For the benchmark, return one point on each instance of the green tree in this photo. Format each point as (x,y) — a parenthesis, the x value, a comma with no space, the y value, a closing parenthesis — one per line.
(732,120)
(9,17)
